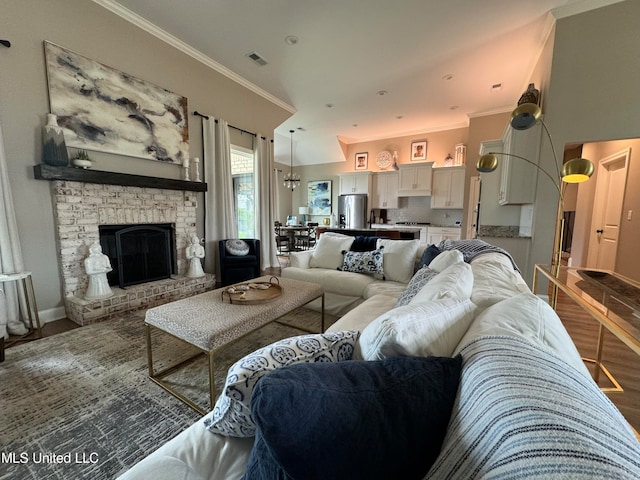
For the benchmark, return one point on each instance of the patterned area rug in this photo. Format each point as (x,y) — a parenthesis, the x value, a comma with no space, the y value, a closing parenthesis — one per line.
(80,404)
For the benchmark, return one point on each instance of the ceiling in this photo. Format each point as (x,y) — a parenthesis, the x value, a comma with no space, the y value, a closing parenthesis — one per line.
(435,60)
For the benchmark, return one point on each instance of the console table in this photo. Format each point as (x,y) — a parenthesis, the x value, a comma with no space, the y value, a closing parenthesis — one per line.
(611,299)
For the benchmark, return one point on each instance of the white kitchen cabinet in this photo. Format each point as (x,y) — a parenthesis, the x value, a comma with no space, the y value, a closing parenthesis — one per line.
(517,177)
(436,234)
(447,188)
(384,190)
(415,180)
(355,183)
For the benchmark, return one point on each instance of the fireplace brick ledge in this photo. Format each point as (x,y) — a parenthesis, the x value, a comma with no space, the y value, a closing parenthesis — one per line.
(48,172)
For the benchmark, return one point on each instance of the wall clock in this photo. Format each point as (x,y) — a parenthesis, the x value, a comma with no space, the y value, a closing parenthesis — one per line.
(384,159)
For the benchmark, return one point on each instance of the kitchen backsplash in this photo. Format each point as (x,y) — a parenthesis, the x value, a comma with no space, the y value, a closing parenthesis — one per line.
(418,209)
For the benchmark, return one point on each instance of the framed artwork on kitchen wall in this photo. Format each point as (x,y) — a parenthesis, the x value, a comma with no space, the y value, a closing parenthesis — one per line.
(361,161)
(418,150)
(103,109)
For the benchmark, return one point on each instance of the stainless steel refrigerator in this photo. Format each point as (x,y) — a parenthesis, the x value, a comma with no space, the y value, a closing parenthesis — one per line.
(352,211)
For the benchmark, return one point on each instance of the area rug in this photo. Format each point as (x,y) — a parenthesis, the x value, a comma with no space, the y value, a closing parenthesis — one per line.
(80,404)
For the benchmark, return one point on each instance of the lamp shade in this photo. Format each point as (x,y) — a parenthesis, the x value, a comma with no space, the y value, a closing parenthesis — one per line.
(525,116)
(487,163)
(577,170)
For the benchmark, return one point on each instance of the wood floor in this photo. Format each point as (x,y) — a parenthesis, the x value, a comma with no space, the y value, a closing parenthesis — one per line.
(623,363)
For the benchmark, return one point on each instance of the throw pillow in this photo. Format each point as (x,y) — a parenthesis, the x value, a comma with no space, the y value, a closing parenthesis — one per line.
(419,280)
(429,254)
(236,247)
(355,419)
(446,259)
(455,281)
(328,251)
(363,262)
(231,415)
(363,244)
(399,258)
(432,328)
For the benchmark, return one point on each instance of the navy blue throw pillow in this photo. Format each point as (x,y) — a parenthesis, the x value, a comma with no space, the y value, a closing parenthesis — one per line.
(363,244)
(429,254)
(351,420)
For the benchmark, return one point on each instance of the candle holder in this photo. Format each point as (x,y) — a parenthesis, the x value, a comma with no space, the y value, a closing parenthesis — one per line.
(196,169)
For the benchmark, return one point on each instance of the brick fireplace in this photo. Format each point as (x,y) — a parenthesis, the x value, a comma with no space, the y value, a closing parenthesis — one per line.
(81,207)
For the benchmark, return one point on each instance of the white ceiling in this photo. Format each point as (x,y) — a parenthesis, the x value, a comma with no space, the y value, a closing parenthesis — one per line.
(348,50)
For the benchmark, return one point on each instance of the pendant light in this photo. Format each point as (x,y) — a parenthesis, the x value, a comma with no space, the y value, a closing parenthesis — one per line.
(291,180)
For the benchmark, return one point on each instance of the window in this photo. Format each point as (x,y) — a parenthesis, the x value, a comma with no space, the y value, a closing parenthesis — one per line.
(242,172)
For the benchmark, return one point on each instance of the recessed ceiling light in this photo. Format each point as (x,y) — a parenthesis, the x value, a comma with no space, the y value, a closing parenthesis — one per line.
(496,87)
(399,117)
(291,40)
(454,107)
(301,129)
(382,93)
(329,105)
(354,125)
(446,77)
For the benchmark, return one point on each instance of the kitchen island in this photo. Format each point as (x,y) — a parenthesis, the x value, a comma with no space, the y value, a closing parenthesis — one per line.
(401,234)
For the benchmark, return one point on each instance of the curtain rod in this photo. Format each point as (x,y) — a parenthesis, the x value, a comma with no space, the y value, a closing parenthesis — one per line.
(236,128)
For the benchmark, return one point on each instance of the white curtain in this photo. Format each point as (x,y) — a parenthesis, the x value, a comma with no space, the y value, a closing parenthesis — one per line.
(266,203)
(10,257)
(220,219)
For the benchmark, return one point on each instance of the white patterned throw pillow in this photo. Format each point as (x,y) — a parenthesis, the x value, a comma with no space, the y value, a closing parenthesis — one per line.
(363,262)
(231,415)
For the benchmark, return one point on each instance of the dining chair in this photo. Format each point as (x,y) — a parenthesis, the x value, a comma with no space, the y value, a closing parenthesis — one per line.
(282,239)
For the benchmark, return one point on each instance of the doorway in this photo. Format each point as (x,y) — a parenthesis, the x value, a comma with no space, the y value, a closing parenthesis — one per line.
(607,211)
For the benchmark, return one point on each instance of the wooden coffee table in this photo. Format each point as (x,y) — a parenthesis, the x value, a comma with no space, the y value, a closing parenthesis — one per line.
(209,322)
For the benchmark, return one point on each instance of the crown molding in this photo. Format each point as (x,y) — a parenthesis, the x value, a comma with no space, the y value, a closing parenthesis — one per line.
(147,26)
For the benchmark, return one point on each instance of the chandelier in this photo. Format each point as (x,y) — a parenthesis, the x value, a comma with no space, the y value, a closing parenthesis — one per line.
(291,180)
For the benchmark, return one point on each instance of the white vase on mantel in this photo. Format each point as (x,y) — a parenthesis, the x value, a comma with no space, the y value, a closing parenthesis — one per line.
(54,149)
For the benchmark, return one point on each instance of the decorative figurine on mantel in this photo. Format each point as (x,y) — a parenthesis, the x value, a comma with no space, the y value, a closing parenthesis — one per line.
(97,265)
(194,253)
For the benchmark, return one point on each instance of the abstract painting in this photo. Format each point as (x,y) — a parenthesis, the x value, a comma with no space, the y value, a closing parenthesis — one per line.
(319,197)
(102,109)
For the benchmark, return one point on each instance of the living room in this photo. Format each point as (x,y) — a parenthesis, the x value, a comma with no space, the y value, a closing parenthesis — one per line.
(588,70)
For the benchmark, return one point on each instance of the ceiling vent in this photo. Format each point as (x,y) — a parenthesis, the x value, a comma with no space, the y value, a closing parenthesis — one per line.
(257,58)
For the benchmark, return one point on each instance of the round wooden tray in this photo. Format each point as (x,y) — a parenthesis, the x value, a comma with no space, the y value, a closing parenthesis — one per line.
(253,296)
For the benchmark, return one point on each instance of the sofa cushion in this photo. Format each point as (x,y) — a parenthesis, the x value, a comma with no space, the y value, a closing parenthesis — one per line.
(231,414)
(345,283)
(363,262)
(531,318)
(522,412)
(455,281)
(328,251)
(399,258)
(362,315)
(419,280)
(352,419)
(494,280)
(445,260)
(384,287)
(422,329)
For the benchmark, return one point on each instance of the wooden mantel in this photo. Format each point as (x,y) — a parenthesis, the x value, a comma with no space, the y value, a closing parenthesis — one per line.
(48,172)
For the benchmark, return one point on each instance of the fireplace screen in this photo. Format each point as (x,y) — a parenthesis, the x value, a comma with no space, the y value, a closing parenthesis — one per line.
(138,253)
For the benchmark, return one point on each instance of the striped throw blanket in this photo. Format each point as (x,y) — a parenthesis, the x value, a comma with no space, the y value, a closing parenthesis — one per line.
(522,412)
(472,248)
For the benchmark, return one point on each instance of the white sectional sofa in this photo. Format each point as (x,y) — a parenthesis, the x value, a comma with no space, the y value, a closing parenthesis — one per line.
(526,406)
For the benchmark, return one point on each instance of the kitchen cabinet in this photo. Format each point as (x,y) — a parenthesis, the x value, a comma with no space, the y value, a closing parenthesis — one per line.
(355,183)
(447,188)
(436,234)
(517,177)
(415,180)
(384,190)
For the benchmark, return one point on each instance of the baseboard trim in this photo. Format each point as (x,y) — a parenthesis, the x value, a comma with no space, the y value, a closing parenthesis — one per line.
(52,314)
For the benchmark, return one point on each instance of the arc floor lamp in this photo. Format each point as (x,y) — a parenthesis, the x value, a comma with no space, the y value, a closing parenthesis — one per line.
(576,170)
